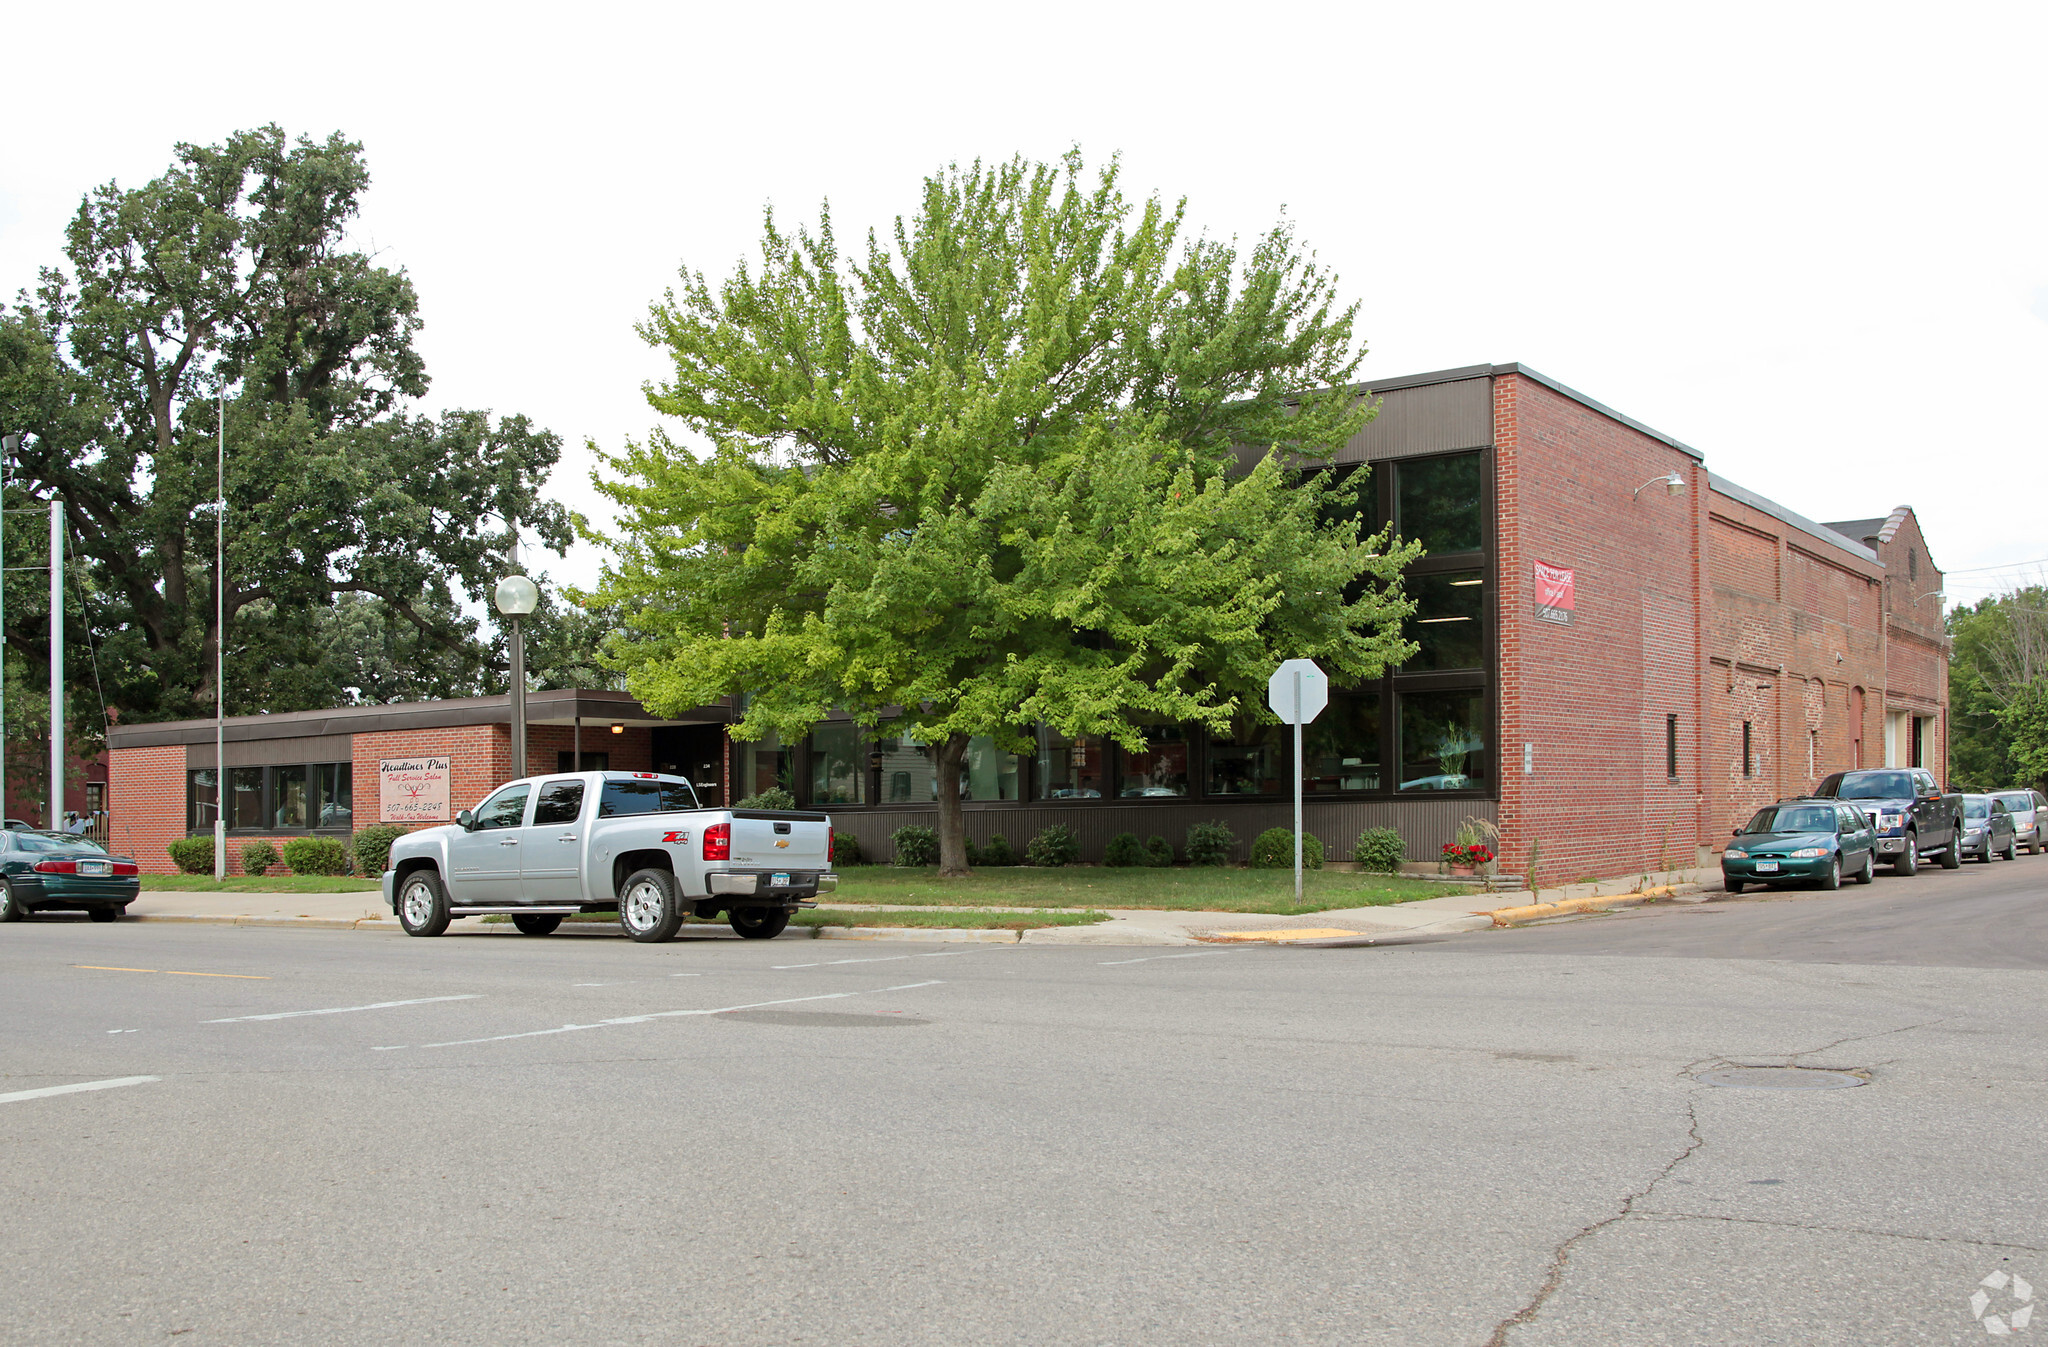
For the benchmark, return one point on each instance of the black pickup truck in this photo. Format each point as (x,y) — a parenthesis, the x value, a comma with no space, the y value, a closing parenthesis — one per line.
(1912,816)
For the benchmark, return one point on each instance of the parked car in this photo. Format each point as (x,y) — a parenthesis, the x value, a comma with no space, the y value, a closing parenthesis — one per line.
(1914,819)
(639,843)
(1821,842)
(15,825)
(1987,828)
(56,872)
(2029,810)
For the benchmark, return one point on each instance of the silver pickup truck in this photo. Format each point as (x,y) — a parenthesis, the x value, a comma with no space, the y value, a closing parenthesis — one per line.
(544,847)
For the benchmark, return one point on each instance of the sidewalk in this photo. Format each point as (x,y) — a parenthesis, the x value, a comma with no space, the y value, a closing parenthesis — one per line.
(1422,919)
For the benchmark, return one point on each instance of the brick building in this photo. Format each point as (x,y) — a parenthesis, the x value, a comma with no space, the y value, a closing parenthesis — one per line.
(1620,654)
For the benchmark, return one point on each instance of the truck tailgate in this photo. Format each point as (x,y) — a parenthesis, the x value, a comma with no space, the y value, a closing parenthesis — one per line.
(778,841)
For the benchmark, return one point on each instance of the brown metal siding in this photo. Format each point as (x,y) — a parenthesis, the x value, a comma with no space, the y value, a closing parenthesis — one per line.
(274,752)
(1426,824)
(1434,419)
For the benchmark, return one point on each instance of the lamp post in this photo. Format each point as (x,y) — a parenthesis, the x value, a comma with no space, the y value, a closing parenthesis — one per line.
(517,597)
(9,444)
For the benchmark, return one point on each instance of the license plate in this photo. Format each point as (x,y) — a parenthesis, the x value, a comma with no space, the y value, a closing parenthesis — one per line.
(779,880)
(1766,867)
(95,868)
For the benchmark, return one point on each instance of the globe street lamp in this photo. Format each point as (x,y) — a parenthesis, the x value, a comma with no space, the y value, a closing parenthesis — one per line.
(517,597)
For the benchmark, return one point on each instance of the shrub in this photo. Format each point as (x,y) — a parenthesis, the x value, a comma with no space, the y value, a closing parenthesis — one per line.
(373,846)
(1124,850)
(1210,844)
(775,797)
(257,857)
(1273,849)
(915,846)
(316,856)
(1054,847)
(1380,850)
(193,855)
(997,852)
(845,849)
(1158,851)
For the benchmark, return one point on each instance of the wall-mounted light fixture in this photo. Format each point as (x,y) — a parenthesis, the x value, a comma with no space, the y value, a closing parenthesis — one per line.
(1673,485)
(618,728)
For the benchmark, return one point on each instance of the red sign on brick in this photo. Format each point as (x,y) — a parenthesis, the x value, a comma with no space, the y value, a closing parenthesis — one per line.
(1554,593)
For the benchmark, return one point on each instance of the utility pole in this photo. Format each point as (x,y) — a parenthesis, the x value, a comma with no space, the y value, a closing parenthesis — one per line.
(8,444)
(50,819)
(220,645)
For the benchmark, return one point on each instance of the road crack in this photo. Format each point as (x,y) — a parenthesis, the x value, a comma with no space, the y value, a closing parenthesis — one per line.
(1673,1217)
(1859,1038)
(1561,1256)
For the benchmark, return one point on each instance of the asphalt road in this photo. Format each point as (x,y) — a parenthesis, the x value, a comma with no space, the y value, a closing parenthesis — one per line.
(1501,1138)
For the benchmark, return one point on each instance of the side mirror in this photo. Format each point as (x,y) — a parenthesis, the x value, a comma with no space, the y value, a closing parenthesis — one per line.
(466,821)
(1735,832)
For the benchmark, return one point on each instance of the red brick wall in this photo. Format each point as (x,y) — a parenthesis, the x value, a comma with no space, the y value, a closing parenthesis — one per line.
(1793,634)
(1916,645)
(146,801)
(1591,698)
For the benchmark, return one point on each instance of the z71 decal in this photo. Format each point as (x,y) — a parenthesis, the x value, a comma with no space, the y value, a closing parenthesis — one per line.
(683,836)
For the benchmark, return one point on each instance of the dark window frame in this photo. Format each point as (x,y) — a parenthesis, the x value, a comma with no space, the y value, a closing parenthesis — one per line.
(267,795)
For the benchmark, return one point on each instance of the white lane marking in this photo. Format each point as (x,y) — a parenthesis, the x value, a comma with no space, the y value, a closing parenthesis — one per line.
(124,1031)
(887,958)
(686,975)
(1117,963)
(80,1088)
(675,1014)
(593,984)
(344,1010)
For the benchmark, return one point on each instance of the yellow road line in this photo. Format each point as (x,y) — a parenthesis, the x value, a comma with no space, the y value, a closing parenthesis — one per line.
(171,972)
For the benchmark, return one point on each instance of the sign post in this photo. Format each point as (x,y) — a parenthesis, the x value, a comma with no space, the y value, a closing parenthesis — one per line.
(1298,691)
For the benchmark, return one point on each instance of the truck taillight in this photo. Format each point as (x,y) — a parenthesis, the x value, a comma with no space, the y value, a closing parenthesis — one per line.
(830,841)
(718,842)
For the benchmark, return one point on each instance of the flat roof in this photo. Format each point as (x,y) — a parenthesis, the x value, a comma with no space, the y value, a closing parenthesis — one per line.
(1463,372)
(1798,521)
(554,707)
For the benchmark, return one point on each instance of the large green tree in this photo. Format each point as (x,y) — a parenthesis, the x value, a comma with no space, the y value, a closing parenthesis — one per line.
(1035,457)
(230,281)
(1998,665)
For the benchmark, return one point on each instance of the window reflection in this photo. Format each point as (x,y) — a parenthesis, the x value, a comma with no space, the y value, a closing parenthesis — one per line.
(1437,502)
(988,773)
(764,764)
(204,790)
(1447,624)
(1068,769)
(1160,771)
(289,808)
(1340,748)
(245,797)
(907,773)
(838,767)
(1250,760)
(1443,740)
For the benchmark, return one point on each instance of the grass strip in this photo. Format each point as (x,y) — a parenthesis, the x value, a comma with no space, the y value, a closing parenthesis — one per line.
(258,884)
(1167,889)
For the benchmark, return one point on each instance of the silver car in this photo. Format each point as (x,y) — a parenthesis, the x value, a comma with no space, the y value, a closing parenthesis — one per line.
(2029,810)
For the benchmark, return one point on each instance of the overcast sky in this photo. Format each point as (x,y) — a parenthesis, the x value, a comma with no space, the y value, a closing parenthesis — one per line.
(1807,240)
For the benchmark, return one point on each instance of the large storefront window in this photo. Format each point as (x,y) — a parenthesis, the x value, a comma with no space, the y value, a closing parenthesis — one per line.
(202,796)
(765,764)
(1448,625)
(302,797)
(1250,760)
(1439,502)
(1068,769)
(988,773)
(1340,748)
(245,798)
(1160,771)
(288,807)
(336,783)
(838,767)
(908,776)
(1443,740)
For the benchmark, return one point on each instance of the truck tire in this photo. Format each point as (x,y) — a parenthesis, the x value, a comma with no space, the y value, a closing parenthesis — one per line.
(422,904)
(1952,859)
(650,908)
(537,923)
(1908,862)
(760,923)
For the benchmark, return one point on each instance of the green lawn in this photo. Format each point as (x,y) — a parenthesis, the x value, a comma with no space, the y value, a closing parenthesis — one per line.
(258,884)
(1176,888)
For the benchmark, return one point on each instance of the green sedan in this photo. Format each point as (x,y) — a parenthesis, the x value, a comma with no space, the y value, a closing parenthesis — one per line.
(1821,842)
(45,872)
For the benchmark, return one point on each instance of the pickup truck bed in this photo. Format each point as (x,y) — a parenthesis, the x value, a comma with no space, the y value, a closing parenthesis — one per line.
(544,847)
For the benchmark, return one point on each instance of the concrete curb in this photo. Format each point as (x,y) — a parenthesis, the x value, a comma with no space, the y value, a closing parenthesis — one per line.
(1522,916)
(288,923)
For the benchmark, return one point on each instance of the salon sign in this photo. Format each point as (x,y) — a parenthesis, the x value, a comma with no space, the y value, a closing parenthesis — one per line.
(1555,593)
(412,790)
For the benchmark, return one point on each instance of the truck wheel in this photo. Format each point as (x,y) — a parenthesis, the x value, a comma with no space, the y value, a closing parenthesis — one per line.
(537,923)
(422,905)
(1908,862)
(1952,859)
(650,909)
(10,906)
(760,923)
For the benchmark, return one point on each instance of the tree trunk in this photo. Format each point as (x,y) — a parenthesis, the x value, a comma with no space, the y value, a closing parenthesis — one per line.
(952,820)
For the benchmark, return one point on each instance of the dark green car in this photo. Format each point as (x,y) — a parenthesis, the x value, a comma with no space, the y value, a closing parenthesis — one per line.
(56,872)
(1819,842)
